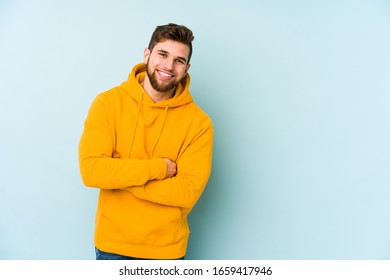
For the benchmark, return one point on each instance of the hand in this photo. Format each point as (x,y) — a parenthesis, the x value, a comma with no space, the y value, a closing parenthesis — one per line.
(171,168)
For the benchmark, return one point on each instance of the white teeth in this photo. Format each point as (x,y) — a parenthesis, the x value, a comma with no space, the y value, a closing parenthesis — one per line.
(165,74)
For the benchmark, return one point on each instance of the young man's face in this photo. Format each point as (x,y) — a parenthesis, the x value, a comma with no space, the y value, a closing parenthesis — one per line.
(166,64)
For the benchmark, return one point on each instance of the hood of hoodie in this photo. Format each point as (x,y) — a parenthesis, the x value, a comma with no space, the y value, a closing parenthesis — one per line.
(136,91)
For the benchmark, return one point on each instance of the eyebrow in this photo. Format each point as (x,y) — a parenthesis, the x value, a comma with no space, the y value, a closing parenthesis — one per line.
(166,52)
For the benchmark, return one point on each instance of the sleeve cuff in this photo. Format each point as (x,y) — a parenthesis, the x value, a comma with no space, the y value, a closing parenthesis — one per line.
(158,168)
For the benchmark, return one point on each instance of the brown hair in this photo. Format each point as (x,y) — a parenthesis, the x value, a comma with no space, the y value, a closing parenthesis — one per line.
(174,32)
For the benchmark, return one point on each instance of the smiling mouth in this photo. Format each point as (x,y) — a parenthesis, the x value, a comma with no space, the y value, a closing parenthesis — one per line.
(165,75)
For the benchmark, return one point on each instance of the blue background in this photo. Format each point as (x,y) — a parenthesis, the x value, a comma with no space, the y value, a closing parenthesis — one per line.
(298,91)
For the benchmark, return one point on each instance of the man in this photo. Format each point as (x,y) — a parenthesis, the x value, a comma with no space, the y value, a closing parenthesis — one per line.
(148,147)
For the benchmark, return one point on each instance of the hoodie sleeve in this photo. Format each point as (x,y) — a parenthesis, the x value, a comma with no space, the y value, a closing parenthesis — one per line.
(98,166)
(194,167)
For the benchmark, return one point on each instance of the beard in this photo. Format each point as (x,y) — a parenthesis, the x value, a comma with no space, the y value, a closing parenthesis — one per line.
(160,87)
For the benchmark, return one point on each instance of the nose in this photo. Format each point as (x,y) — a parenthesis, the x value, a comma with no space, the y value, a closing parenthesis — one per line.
(169,64)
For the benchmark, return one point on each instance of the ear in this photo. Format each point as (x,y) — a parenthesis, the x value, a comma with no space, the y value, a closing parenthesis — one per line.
(187,67)
(146,55)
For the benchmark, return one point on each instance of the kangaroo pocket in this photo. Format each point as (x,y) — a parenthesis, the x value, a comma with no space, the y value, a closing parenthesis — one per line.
(131,220)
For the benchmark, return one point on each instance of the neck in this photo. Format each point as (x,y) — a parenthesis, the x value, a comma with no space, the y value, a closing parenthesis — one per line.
(155,95)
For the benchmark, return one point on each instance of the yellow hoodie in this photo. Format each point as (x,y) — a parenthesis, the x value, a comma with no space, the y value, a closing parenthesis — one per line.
(126,136)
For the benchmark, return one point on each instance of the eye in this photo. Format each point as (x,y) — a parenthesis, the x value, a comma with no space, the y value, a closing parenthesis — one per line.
(180,61)
(163,55)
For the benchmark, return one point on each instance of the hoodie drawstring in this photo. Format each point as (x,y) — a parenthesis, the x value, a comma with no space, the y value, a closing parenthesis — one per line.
(135,126)
(161,129)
